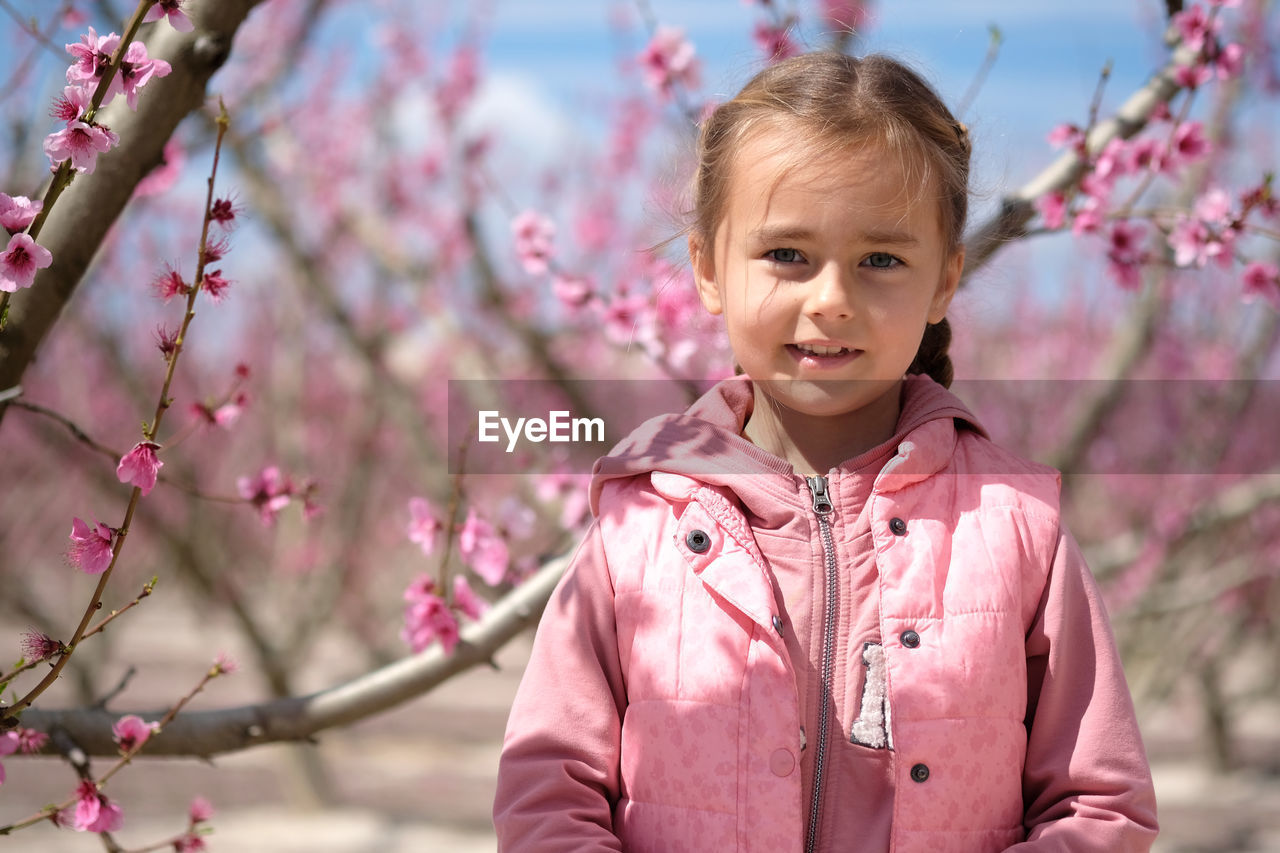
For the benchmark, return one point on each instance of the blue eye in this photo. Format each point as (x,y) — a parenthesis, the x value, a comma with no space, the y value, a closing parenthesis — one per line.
(784,256)
(882,260)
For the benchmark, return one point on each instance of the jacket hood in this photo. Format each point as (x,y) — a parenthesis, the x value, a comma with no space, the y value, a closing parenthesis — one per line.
(705,443)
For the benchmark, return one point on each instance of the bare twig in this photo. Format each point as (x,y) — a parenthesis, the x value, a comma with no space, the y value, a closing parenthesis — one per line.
(208,733)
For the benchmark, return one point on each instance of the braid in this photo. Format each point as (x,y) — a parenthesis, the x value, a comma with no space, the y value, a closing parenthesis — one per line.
(931,358)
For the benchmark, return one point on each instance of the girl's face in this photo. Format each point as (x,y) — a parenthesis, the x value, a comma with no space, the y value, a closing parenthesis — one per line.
(826,269)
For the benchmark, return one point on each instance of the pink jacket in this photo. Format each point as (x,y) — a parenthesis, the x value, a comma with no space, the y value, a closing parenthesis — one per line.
(660,709)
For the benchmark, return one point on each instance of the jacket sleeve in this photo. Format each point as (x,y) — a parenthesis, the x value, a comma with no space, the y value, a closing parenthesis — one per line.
(1086,783)
(558,774)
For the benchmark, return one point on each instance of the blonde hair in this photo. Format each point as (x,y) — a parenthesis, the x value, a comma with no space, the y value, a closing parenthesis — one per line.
(832,102)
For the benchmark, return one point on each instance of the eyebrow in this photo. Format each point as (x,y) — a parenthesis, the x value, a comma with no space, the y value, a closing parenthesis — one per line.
(784,233)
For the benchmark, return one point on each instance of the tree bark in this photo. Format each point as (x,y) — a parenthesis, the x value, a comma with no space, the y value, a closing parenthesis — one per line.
(78,223)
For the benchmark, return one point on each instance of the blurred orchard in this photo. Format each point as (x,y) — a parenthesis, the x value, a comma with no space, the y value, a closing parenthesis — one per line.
(247,244)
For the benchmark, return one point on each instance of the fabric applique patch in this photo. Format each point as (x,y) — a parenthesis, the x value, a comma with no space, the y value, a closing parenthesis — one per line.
(872,726)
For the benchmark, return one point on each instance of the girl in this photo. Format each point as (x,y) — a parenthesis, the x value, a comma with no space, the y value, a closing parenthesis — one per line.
(820,610)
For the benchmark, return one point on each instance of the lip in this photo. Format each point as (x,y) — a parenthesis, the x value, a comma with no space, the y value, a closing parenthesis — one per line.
(821,362)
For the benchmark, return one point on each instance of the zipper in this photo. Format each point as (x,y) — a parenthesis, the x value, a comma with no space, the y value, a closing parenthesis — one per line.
(822,508)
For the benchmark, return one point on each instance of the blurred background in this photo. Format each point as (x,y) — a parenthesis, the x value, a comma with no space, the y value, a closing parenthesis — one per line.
(427,191)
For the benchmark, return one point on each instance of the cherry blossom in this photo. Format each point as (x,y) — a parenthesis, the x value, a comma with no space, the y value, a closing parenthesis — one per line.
(669,60)
(94,812)
(191,842)
(8,746)
(465,599)
(427,619)
(573,291)
(92,55)
(140,466)
(1196,27)
(845,15)
(172,10)
(270,491)
(1193,243)
(131,732)
(483,549)
(201,810)
(1067,135)
(38,646)
(17,212)
(223,664)
(31,741)
(1053,209)
(1125,256)
(170,284)
(72,103)
(423,526)
(81,143)
(1189,144)
(136,70)
(215,285)
(1262,281)
(774,41)
(90,546)
(20,261)
(533,235)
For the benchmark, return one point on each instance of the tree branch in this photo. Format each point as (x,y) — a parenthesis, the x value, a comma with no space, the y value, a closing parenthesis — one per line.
(79,223)
(208,733)
(1018,208)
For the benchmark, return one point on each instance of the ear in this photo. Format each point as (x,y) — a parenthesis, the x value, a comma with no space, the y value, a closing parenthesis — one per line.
(704,275)
(948,282)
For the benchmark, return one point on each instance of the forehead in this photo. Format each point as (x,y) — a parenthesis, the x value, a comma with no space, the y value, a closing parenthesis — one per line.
(774,173)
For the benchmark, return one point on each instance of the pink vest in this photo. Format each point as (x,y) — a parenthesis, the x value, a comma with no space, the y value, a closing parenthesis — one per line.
(964,536)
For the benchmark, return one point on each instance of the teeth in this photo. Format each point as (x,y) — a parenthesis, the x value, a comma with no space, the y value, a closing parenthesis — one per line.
(815,349)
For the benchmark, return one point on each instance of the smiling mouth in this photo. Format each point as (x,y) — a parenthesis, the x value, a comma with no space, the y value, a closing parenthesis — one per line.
(819,350)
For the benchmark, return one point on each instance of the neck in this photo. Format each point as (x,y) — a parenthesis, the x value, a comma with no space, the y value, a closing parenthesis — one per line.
(815,444)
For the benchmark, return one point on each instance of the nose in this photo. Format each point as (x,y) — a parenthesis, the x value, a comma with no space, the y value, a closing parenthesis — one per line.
(828,295)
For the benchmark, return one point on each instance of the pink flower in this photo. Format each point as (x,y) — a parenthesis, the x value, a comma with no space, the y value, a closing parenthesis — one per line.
(774,41)
(456,90)
(170,284)
(130,732)
(1192,76)
(465,599)
(1067,135)
(17,212)
(223,664)
(201,810)
(38,646)
(1145,154)
(845,15)
(483,549)
(90,546)
(136,70)
(171,9)
(270,491)
(189,843)
(81,143)
(668,60)
(1193,243)
(140,466)
(94,812)
(20,261)
(533,235)
(1053,209)
(215,285)
(426,620)
(1088,218)
(72,103)
(166,172)
(224,212)
(1262,280)
(423,526)
(8,746)
(573,291)
(92,55)
(1189,144)
(1126,256)
(1228,62)
(1214,207)
(31,741)
(1195,27)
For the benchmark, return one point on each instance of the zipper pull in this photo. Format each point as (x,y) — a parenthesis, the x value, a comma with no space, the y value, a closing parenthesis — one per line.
(821,500)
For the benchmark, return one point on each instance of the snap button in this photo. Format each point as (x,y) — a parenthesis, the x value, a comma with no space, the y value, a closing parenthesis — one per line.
(910,639)
(898,526)
(777,624)
(920,773)
(782,762)
(698,541)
